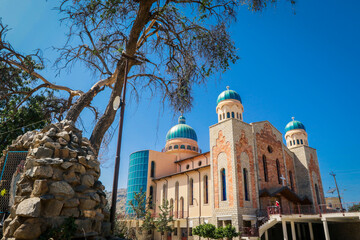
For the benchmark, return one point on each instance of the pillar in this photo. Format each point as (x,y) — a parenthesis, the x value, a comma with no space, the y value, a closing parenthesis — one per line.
(284,230)
(311,231)
(293,231)
(266,235)
(298,226)
(326,229)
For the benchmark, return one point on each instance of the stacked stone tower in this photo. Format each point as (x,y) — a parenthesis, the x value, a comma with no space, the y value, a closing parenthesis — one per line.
(59,180)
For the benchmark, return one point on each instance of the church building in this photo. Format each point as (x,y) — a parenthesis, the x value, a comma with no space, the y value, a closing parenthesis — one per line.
(247,169)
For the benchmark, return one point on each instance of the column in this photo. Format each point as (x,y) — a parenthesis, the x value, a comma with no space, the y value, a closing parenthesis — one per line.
(293,231)
(326,229)
(284,230)
(298,226)
(311,231)
(266,235)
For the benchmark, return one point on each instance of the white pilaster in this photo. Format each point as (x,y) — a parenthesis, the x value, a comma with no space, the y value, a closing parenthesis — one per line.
(293,231)
(284,230)
(326,229)
(311,231)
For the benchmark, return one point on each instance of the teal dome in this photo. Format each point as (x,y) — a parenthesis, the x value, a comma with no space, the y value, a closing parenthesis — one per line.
(181,130)
(294,125)
(228,94)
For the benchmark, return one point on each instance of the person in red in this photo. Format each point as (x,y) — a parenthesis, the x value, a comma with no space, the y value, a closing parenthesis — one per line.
(277,206)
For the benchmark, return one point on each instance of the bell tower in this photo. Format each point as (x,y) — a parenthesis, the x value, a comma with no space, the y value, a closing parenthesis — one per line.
(229,105)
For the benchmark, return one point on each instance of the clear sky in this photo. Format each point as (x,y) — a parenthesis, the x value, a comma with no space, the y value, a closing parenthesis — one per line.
(304,65)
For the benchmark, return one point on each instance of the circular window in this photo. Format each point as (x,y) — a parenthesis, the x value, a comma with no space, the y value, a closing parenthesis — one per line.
(270,149)
(200,163)
(187,166)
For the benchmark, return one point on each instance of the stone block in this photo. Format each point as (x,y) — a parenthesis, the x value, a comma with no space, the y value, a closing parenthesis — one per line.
(87,180)
(28,231)
(61,189)
(87,204)
(70,212)
(73,202)
(30,207)
(40,188)
(52,208)
(40,172)
(65,135)
(43,152)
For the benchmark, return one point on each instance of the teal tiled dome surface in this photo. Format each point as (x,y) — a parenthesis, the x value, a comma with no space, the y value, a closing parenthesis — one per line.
(294,125)
(181,130)
(228,94)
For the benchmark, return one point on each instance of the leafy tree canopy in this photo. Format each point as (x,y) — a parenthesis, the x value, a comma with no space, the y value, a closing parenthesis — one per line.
(166,46)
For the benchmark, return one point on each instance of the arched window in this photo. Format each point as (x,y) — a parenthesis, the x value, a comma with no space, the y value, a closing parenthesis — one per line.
(291,180)
(301,141)
(151,197)
(265,169)
(237,115)
(278,171)
(297,141)
(232,114)
(176,147)
(223,115)
(220,117)
(228,115)
(188,147)
(240,116)
(171,207)
(206,189)
(317,194)
(164,192)
(194,149)
(176,198)
(294,142)
(170,147)
(290,143)
(246,185)
(223,184)
(152,170)
(181,207)
(182,147)
(191,191)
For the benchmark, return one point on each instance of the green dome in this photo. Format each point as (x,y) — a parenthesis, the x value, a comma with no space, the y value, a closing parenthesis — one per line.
(294,125)
(181,130)
(228,94)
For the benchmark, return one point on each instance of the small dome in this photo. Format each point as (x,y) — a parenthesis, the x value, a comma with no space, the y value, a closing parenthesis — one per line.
(294,125)
(228,94)
(181,130)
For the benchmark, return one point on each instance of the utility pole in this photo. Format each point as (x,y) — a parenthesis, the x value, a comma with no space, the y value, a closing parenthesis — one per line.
(118,150)
(337,189)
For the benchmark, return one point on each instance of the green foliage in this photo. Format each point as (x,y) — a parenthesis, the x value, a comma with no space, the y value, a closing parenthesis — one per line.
(65,231)
(354,208)
(205,230)
(19,112)
(227,232)
(149,222)
(162,223)
(209,231)
(138,205)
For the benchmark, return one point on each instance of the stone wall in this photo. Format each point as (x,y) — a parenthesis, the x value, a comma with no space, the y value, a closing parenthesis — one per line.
(59,180)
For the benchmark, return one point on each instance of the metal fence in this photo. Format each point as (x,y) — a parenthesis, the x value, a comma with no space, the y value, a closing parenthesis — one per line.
(12,163)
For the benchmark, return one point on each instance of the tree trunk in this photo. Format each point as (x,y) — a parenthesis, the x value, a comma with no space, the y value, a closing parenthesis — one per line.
(81,103)
(101,127)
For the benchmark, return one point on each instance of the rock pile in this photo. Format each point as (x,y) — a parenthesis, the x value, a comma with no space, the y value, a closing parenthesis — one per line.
(60,180)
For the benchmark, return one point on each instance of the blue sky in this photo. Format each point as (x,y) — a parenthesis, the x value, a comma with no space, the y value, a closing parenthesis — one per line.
(304,65)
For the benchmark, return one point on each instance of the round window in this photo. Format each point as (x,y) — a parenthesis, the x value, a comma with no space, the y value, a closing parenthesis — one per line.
(200,163)
(270,149)
(187,166)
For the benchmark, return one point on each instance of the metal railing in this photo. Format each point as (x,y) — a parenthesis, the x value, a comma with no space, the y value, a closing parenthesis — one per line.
(315,209)
(249,232)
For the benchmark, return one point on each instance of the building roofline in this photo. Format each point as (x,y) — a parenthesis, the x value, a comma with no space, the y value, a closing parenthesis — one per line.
(192,157)
(178,173)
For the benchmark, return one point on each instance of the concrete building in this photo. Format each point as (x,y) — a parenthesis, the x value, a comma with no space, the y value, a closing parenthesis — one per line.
(247,169)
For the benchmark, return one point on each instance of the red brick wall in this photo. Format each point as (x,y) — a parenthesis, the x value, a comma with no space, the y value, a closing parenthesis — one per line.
(240,147)
(290,167)
(264,139)
(222,146)
(313,167)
